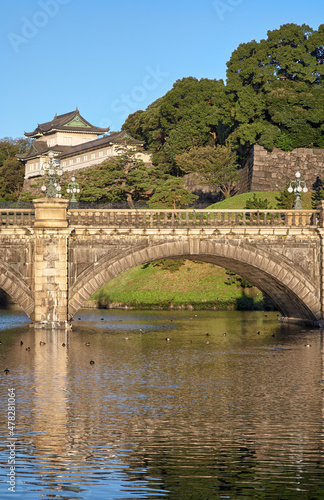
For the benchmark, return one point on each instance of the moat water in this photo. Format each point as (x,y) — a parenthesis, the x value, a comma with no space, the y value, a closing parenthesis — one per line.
(198,416)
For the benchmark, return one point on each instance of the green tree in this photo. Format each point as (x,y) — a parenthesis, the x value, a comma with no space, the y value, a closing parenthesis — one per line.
(276,86)
(120,178)
(11,170)
(318,193)
(257,203)
(193,113)
(182,138)
(171,194)
(133,126)
(217,166)
(12,173)
(285,200)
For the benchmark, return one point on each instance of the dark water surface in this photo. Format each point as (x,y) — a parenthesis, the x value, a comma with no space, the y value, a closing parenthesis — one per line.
(239,417)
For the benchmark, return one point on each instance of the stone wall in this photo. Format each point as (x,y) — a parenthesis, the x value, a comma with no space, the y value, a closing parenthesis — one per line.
(271,170)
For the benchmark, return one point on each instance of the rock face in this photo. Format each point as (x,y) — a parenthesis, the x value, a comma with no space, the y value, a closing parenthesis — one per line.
(266,170)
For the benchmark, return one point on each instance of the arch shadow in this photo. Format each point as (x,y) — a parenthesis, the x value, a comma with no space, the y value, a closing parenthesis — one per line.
(15,286)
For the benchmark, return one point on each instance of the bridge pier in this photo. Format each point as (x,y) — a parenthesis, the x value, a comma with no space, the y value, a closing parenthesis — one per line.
(51,263)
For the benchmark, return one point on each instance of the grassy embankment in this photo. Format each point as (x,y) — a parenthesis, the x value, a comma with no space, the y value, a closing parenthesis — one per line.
(194,285)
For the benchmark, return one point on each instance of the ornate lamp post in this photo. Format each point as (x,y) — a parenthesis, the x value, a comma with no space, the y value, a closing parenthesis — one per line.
(73,187)
(297,186)
(52,172)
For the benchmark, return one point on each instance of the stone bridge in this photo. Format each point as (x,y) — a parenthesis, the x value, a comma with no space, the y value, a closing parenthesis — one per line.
(54,258)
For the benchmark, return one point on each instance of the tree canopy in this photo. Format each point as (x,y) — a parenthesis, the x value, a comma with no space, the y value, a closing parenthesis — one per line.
(277,89)
(273,97)
(216,165)
(120,178)
(12,171)
(171,194)
(193,113)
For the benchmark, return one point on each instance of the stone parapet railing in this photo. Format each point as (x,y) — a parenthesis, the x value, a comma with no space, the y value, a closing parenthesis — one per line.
(17,217)
(191,218)
(116,218)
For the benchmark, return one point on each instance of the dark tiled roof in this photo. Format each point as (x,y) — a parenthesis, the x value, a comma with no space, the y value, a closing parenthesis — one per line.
(59,123)
(39,148)
(115,138)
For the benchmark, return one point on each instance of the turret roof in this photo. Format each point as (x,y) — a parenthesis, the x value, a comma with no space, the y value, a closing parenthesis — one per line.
(68,122)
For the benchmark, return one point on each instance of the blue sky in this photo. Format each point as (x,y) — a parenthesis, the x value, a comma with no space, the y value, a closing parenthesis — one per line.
(111,58)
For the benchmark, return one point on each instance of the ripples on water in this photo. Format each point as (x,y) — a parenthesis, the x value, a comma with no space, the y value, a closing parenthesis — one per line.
(238,417)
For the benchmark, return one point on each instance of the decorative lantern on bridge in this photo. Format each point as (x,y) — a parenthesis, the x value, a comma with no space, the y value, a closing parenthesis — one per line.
(73,187)
(297,186)
(51,170)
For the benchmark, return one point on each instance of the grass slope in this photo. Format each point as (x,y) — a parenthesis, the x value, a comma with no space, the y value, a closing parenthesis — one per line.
(195,284)
(238,202)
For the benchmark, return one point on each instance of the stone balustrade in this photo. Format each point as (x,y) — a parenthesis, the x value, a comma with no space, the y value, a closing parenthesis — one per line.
(17,217)
(191,218)
(170,218)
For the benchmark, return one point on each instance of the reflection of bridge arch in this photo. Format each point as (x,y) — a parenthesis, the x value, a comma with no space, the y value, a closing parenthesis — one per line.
(289,288)
(16,288)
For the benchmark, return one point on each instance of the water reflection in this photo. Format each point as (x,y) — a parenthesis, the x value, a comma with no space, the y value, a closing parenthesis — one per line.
(198,416)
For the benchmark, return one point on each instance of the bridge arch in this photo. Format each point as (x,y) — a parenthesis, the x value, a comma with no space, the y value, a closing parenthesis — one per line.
(14,285)
(292,292)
